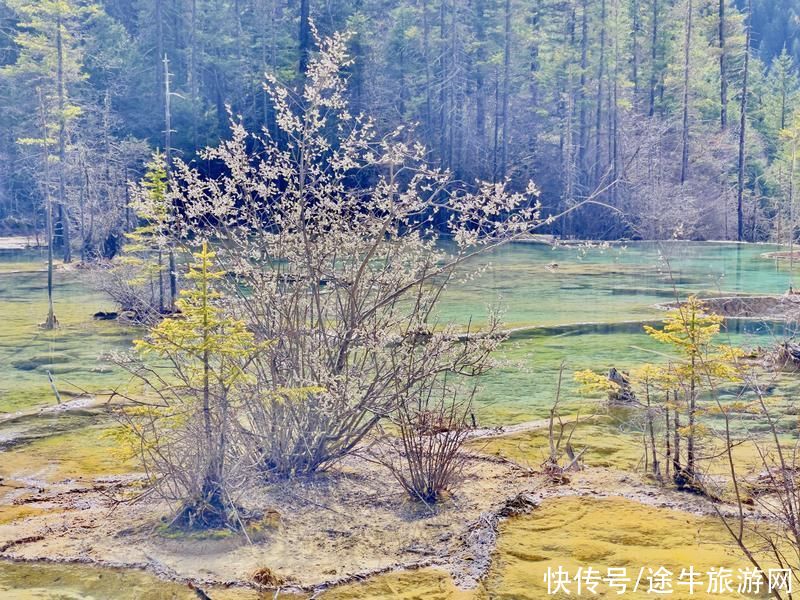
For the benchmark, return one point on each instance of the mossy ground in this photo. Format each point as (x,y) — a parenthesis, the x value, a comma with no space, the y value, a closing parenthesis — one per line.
(602,533)
(74,582)
(425,584)
(12,513)
(84,454)
(567,532)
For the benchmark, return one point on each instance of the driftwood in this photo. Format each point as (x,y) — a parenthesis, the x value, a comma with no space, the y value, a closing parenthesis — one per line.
(53,386)
(773,481)
(623,392)
(789,354)
(198,592)
(25,540)
(103,315)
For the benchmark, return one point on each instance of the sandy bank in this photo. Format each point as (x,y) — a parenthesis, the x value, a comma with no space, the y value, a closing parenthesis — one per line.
(19,242)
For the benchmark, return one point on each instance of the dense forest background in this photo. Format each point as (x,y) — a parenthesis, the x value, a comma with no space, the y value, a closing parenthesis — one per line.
(678,115)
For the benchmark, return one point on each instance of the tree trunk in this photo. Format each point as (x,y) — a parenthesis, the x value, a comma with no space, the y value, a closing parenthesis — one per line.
(304,37)
(635,49)
(110,188)
(506,84)
(567,120)
(173,275)
(599,104)
(653,57)
(444,83)
(192,74)
(743,130)
(161,304)
(568,159)
(667,448)
(691,410)
(582,126)
(686,71)
(723,75)
(480,77)
(496,145)
(792,169)
(51,322)
(213,482)
(426,51)
(676,457)
(455,102)
(158,16)
(83,168)
(614,110)
(63,213)
(533,87)
(652,432)
(783,104)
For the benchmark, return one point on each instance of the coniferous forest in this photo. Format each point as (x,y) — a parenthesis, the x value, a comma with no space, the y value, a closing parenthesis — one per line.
(679,117)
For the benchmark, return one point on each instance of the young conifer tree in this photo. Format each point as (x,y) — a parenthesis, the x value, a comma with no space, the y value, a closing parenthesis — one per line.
(201,359)
(691,331)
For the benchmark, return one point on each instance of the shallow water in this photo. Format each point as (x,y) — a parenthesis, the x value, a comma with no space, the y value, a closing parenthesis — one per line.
(71,354)
(612,284)
(587,313)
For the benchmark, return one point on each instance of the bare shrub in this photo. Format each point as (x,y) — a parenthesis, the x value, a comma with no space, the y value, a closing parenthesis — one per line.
(559,436)
(132,285)
(766,526)
(331,235)
(143,281)
(432,424)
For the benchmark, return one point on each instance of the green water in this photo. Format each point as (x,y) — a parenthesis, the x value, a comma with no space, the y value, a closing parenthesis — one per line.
(609,285)
(587,313)
(523,386)
(71,354)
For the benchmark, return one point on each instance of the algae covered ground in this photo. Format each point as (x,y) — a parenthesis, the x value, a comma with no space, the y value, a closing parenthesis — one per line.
(587,311)
(612,533)
(569,532)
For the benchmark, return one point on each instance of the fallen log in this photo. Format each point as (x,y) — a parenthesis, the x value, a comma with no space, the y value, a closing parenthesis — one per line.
(103,315)
(25,540)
